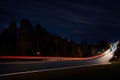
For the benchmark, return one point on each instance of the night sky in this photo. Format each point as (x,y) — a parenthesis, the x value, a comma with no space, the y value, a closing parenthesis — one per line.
(90,20)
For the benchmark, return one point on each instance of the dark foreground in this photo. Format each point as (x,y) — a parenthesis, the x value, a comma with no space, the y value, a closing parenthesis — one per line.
(110,71)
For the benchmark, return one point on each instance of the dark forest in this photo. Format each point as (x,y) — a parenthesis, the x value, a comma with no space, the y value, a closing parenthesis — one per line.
(30,40)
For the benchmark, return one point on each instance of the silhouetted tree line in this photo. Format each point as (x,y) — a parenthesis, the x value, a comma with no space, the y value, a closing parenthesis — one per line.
(29,40)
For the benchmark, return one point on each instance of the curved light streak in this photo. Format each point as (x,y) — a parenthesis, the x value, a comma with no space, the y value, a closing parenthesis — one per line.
(100,58)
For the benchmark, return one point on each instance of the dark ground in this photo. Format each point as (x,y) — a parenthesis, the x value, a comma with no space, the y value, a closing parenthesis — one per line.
(110,71)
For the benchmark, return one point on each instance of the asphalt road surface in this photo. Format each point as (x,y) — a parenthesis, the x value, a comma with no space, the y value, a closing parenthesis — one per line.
(11,68)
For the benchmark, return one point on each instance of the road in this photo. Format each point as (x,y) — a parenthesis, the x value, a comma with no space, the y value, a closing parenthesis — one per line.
(60,63)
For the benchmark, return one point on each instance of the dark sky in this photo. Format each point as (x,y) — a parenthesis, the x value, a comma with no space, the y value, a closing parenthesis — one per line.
(90,20)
